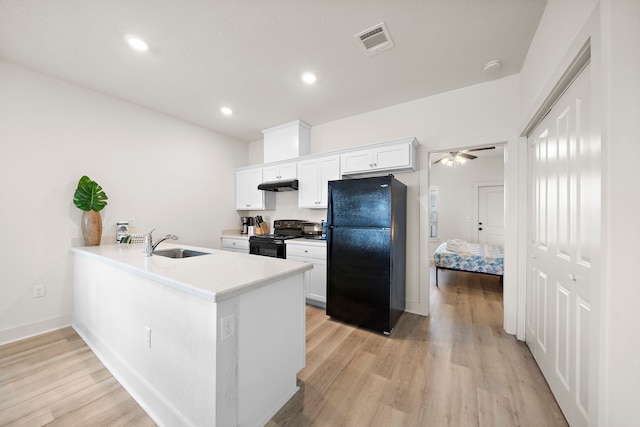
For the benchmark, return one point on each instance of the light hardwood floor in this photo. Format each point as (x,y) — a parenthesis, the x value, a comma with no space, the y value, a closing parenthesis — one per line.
(55,380)
(454,368)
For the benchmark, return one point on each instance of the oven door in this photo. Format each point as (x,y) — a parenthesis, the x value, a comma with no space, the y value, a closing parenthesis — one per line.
(267,248)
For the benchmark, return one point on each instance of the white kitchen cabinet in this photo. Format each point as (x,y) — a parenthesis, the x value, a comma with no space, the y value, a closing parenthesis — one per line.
(314,252)
(287,141)
(313,176)
(280,172)
(396,156)
(248,197)
(235,244)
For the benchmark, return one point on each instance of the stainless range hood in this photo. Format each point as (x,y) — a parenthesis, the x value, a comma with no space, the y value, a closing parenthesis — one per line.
(286,185)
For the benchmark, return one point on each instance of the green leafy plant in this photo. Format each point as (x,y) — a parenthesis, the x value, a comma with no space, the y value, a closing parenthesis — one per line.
(89,196)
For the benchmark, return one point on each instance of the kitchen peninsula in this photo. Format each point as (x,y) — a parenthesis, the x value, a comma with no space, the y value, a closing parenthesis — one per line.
(213,340)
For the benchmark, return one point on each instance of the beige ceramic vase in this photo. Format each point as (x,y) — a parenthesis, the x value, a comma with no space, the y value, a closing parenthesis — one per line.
(91,228)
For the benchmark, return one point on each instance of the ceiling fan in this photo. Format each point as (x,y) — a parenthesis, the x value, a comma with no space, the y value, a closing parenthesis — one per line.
(455,158)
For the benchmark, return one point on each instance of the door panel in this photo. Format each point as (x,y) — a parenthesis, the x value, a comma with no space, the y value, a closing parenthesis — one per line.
(542,318)
(360,202)
(329,171)
(564,230)
(583,314)
(562,332)
(563,190)
(358,276)
(491,214)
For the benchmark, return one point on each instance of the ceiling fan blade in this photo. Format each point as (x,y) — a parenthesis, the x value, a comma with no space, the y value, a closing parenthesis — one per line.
(438,161)
(481,148)
(467,156)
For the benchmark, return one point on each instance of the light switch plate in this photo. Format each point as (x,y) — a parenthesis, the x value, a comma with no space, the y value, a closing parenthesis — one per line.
(38,291)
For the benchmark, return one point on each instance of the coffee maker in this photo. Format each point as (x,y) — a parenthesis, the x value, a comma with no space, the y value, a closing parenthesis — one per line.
(246,222)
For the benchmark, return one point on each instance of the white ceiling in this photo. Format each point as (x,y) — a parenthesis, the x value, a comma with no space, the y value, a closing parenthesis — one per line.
(249,54)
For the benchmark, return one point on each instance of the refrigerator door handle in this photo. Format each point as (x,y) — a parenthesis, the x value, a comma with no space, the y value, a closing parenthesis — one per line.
(330,208)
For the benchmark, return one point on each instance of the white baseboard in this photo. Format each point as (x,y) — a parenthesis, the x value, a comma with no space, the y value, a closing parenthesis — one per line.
(279,406)
(29,330)
(416,308)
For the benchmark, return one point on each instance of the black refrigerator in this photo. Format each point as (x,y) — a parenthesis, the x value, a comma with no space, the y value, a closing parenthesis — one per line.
(366,248)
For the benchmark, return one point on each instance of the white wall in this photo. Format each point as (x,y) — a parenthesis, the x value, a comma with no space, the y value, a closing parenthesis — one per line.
(256,152)
(559,26)
(482,114)
(620,385)
(457,201)
(156,169)
(616,79)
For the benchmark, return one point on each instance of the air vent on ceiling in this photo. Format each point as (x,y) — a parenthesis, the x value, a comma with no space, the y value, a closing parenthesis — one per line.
(375,39)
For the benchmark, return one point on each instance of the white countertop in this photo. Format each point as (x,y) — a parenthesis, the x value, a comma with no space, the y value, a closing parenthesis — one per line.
(216,277)
(305,241)
(234,234)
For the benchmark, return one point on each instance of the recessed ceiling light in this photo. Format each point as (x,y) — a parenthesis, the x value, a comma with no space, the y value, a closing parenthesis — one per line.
(226,111)
(309,78)
(492,66)
(137,43)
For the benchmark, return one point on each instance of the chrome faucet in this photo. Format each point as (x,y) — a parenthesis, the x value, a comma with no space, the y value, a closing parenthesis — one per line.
(149,247)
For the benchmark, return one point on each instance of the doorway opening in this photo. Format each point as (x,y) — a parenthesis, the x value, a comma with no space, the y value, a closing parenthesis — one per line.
(464,190)
(466,198)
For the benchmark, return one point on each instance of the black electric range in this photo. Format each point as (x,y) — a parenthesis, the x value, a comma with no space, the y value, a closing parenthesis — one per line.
(273,245)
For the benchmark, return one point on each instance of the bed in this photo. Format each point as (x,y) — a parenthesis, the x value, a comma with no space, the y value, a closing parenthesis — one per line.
(472,257)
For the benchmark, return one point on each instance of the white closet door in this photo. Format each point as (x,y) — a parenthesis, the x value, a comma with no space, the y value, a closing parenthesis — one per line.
(563,238)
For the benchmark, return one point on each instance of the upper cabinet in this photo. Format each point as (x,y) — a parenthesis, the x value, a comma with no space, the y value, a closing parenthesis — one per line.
(397,156)
(248,197)
(313,177)
(314,172)
(287,141)
(280,172)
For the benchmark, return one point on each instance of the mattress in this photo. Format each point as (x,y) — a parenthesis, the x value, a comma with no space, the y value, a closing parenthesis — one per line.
(474,257)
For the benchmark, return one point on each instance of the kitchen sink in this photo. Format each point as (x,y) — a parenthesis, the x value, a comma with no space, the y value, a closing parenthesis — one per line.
(179,253)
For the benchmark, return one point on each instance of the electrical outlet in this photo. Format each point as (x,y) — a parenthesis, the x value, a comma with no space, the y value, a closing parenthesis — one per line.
(38,291)
(147,336)
(227,327)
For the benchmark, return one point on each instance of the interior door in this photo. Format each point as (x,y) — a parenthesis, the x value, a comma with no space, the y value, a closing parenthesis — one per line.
(563,241)
(491,214)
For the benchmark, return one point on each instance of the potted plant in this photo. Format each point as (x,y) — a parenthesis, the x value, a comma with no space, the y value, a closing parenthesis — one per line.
(90,198)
